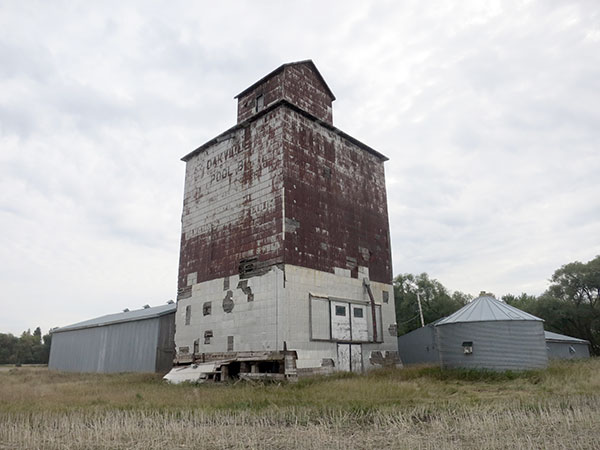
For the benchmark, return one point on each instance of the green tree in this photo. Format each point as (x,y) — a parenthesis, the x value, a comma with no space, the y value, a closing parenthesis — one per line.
(436,301)
(45,353)
(571,305)
(27,349)
(525,302)
(38,334)
(8,345)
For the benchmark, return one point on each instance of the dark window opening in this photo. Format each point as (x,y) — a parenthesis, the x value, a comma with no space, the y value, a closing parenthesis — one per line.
(188,314)
(247,266)
(358,312)
(260,103)
(340,310)
(206,308)
(229,343)
(386,296)
(196,346)
(207,335)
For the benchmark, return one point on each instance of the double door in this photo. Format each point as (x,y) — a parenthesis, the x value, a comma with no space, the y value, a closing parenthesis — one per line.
(349,357)
(349,323)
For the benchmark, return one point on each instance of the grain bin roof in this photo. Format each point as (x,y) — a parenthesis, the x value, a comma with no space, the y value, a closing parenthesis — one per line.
(555,337)
(129,316)
(486,309)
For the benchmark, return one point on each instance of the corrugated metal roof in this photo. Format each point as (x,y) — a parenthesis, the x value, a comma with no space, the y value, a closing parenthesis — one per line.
(129,316)
(555,337)
(485,309)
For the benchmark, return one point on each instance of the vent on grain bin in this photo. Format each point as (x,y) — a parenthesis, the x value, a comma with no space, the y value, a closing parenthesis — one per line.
(467,347)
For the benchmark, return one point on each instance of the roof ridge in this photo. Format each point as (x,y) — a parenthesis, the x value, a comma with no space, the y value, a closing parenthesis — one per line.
(282,67)
(487,308)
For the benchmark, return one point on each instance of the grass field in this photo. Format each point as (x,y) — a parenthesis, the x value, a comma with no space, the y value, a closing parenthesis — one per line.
(410,408)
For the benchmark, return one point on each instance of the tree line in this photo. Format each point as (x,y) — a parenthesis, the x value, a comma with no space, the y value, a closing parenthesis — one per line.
(29,348)
(570,305)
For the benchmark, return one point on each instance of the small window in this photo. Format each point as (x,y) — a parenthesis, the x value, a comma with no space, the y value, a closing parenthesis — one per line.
(196,346)
(260,102)
(188,314)
(206,308)
(358,312)
(386,296)
(467,347)
(340,311)
(207,335)
(229,343)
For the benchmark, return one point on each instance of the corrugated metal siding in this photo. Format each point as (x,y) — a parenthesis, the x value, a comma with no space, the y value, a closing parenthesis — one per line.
(498,345)
(121,347)
(165,351)
(419,346)
(560,350)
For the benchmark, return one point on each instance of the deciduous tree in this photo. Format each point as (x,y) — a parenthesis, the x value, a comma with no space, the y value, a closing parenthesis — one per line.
(436,301)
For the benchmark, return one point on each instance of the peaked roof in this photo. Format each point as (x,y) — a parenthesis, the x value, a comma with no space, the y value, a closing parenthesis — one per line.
(555,337)
(129,316)
(308,62)
(485,309)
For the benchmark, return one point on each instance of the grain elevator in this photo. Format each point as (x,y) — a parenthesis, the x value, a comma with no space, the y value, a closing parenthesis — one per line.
(285,262)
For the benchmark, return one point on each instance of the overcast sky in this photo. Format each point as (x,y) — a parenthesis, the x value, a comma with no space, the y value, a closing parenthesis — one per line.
(488,111)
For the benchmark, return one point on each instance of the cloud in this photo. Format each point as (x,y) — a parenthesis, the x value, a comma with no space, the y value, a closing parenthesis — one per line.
(488,112)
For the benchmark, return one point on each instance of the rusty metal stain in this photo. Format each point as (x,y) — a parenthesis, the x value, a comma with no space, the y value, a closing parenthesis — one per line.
(238,187)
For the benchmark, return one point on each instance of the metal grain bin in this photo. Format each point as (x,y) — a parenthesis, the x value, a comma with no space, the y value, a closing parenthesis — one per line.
(419,346)
(489,334)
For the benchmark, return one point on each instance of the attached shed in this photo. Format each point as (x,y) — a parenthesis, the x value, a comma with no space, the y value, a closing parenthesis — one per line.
(131,341)
(490,334)
(419,346)
(566,347)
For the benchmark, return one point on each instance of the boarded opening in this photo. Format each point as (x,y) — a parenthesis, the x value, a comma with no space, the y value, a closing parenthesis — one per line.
(247,266)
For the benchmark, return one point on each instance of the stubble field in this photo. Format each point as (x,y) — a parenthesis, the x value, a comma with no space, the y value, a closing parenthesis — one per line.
(410,408)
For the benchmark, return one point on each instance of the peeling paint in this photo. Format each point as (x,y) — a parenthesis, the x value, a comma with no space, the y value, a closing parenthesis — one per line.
(281,205)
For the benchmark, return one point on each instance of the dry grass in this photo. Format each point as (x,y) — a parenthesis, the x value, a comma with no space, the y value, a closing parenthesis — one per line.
(413,408)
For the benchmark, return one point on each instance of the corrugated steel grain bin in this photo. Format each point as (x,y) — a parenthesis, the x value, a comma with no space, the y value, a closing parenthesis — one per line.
(489,334)
(419,346)
(132,341)
(566,347)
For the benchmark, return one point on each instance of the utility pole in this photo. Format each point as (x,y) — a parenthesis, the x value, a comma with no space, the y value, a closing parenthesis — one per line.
(420,309)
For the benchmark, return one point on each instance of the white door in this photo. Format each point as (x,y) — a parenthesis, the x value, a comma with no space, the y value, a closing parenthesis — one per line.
(340,321)
(343,357)
(360,330)
(356,364)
